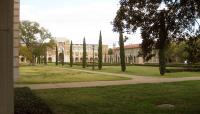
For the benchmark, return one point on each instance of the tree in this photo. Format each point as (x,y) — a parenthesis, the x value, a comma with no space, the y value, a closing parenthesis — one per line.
(34,37)
(193,49)
(84,54)
(23,51)
(158,28)
(63,58)
(105,58)
(45,56)
(56,55)
(100,52)
(162,43)
(176,52)
(122,53)
(71,54)
(110,52)
(130,58)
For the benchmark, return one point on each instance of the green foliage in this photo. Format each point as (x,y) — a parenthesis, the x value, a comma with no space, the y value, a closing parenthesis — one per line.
(35,39)
(110,52)
(105,58)
(62,58)
(71,54)
(42,74)
(162,43)
(122,52)
(56,55)
(100,52)
(84,54)
(126,99)
(176,52)
(158,28)
(162,61)
(26,102)
(24,51)
(193,49)
(187,50)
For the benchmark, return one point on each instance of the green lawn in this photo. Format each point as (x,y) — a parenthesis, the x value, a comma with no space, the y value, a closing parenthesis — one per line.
(142,71)
(127,99)
(53,74)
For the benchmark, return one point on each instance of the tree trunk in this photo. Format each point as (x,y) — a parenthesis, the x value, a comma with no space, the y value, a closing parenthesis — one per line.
(162,44)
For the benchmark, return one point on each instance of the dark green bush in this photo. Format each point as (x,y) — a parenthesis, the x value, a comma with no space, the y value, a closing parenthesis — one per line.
(183,70)
(26,102)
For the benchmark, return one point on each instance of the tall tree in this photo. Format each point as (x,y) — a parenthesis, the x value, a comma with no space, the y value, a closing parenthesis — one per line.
(34,37)
(193,49)
(105,58)
(63,58)
(100,52)
(56,55)
(110,52)
(162,43)
(122,53)
(71,54)
(45,55)
(158,28)
(176,52)
(84,54)
(24,51)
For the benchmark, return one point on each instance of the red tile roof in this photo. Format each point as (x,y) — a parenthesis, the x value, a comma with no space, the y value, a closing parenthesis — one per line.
(132,46)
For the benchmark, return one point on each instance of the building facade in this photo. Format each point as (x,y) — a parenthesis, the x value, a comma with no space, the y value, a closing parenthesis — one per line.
(132,55)
(64,46)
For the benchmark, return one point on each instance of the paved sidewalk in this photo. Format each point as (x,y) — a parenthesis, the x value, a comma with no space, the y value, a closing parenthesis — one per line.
(134,80)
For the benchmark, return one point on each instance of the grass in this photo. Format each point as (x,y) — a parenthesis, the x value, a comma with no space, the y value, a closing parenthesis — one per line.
(26,102)
(52,74)
(127,99)
(143,71)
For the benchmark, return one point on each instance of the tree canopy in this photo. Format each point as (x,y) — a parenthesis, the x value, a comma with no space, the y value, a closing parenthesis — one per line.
(36,39)
(160,22)
(180,18)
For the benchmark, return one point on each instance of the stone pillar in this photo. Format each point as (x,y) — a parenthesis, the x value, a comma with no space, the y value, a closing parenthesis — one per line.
(16,38)
(6,57)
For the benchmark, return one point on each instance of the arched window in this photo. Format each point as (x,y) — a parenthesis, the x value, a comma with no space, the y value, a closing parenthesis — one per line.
(50,59)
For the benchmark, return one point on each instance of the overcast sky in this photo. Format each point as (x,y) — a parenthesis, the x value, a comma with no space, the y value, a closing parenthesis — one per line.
(74,19)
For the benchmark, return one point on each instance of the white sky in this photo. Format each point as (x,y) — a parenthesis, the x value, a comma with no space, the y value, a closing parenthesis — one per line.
(75,19)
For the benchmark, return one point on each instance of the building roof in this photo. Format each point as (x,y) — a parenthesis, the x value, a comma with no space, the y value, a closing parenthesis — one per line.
(131,46)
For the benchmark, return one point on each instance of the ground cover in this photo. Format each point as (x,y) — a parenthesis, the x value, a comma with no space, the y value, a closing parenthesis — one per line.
(142,71)
(51,74)
(126,99)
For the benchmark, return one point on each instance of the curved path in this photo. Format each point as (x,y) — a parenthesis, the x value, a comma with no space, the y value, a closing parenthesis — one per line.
(134,80)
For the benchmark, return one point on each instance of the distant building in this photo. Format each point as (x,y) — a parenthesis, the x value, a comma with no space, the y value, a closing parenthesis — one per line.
(77,52)
(132,55)
(63,46)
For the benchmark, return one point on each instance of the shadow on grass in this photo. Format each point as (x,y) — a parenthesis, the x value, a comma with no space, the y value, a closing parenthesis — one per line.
(26,102)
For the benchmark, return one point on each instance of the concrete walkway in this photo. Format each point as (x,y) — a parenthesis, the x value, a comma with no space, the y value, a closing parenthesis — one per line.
(134,80)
